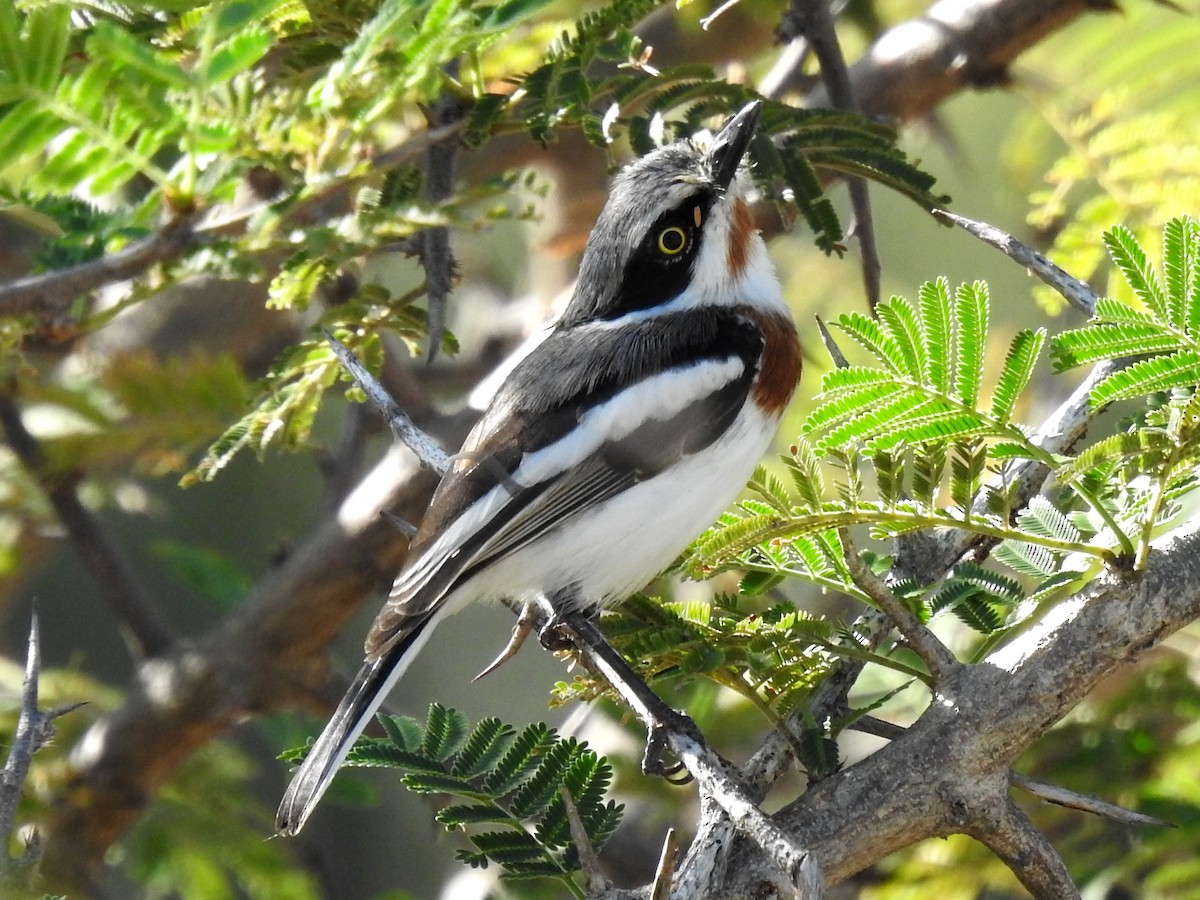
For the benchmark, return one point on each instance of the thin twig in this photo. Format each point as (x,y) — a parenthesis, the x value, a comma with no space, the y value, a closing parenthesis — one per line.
(1074,291)
(26,740)
(436,256)
(714,775)
(936,655)
(426,449)
(141,622)
(589,861)
(34,729)
(812,20)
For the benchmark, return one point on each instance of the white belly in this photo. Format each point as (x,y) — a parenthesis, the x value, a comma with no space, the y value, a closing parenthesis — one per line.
(615,549)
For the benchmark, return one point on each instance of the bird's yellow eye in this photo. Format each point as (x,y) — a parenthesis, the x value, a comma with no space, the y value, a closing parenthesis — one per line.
(671,241)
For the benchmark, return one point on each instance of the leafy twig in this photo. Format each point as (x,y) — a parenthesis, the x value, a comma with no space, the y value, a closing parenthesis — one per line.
(49,294)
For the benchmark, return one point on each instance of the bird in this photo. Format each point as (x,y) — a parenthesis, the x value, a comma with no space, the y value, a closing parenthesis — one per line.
(613,443)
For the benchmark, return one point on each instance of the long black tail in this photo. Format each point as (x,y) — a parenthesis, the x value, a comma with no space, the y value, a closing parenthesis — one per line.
(372,684)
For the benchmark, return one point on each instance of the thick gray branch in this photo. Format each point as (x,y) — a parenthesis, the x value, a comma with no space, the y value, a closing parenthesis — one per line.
(951,767)
(954,46)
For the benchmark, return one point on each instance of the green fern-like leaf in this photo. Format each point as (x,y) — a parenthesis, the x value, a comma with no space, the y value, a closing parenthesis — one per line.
(1131,259)
(445,732)
(1180,369)
(899,319)
(484,747)
(1023,354)
(970,317)
(500,777)
(934,300)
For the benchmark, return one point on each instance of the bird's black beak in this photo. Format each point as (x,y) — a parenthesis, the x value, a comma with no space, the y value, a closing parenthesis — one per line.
(731,144)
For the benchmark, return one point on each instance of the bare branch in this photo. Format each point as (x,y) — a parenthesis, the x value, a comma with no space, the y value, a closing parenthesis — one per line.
(813,21)
(436,256)
(715,777)
(589,860)
(953,46)
(1051,793)
(1074,291)
(664,873)
(28,738)
(426,449)
(936,656)
(1026,851)
(49,294)
(34,729)
(142,623)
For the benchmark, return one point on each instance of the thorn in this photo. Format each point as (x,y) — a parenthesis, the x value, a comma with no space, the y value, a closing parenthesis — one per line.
(405,527)
(835,352)
(526,622)
(665,873)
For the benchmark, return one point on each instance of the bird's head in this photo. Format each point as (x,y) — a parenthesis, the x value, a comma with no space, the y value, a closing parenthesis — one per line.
(676,233)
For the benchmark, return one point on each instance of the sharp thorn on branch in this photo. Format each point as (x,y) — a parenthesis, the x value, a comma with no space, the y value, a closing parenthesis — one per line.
(1084,802)
(664,873)
(405,527)
(835,352)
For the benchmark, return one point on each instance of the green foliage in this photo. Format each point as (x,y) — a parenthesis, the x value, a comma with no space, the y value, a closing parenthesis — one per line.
(1153,461)
(1109,137)
(915,445)
(502,777)
(294,102)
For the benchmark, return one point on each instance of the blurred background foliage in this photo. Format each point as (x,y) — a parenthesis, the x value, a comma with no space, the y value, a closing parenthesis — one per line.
(261,124)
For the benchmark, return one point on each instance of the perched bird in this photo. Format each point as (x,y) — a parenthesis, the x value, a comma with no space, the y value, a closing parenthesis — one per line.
(613,443)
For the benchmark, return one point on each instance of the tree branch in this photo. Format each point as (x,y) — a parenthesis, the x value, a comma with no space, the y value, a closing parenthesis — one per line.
(48,295)
(936,655)
(140,620)
(34,729)
(1027,852)
(1074,291)
(988,715)
(812,21)
(953,46)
